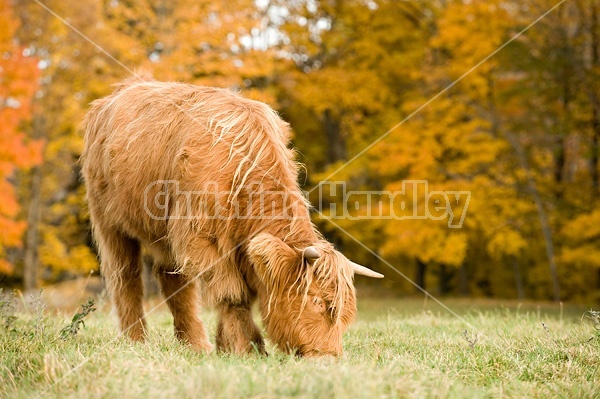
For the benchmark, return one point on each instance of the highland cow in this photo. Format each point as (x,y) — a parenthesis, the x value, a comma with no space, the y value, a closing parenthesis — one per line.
(204,180)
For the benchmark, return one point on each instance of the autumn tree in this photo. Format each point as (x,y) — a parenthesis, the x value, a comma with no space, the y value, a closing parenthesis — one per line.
(73,72)
(225,44)
(382,95)
(206,43)
(503,131)
(354,67)
(18,83)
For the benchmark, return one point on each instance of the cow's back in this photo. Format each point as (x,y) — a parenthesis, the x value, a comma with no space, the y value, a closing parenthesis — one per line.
(148,136)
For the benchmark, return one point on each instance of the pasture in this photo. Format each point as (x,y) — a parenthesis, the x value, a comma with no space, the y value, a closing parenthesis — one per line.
(397,348)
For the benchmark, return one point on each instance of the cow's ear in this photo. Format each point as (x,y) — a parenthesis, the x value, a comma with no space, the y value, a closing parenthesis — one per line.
(271,258)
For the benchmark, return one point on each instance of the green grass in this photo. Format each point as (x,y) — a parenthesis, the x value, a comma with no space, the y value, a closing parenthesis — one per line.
(397,348)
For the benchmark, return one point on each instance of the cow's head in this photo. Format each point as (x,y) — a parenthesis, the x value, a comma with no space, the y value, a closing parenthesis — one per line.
(309,298)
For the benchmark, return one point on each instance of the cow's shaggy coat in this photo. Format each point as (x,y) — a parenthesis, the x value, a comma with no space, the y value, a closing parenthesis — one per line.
(155,154)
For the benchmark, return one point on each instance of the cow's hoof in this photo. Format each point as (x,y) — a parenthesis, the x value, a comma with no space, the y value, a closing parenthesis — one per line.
(203,348)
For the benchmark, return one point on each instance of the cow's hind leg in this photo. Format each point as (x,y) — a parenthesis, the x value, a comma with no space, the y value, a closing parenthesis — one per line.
(182,298)
(237,332)
(122,270)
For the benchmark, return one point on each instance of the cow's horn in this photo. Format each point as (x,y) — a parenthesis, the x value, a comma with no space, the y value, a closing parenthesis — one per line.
(363,271)
(311,253)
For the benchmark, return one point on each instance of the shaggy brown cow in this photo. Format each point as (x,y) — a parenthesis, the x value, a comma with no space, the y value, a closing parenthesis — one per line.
(204,180)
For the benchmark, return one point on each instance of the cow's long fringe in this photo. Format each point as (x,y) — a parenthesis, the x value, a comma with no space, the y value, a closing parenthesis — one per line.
(334,276)
(337,280)
(331,273)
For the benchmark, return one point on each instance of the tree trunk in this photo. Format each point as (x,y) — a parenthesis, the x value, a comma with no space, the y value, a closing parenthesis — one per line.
(559,149)
(595,142)
(546,231)
(443,282)
(463,280)
(518,279)
(595,60)
(559,162)
(420,274)
(336,145)
(32,241)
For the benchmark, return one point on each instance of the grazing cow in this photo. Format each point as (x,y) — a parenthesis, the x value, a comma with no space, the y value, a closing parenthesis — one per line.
(204,180)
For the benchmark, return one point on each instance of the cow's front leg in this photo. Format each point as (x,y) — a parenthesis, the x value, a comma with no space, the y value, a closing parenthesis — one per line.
(237,332)
(182,298)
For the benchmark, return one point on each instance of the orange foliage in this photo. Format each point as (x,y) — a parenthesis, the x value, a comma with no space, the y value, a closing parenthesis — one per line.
(18,82)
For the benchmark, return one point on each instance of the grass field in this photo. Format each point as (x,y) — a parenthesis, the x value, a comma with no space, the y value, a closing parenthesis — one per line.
(397,348)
